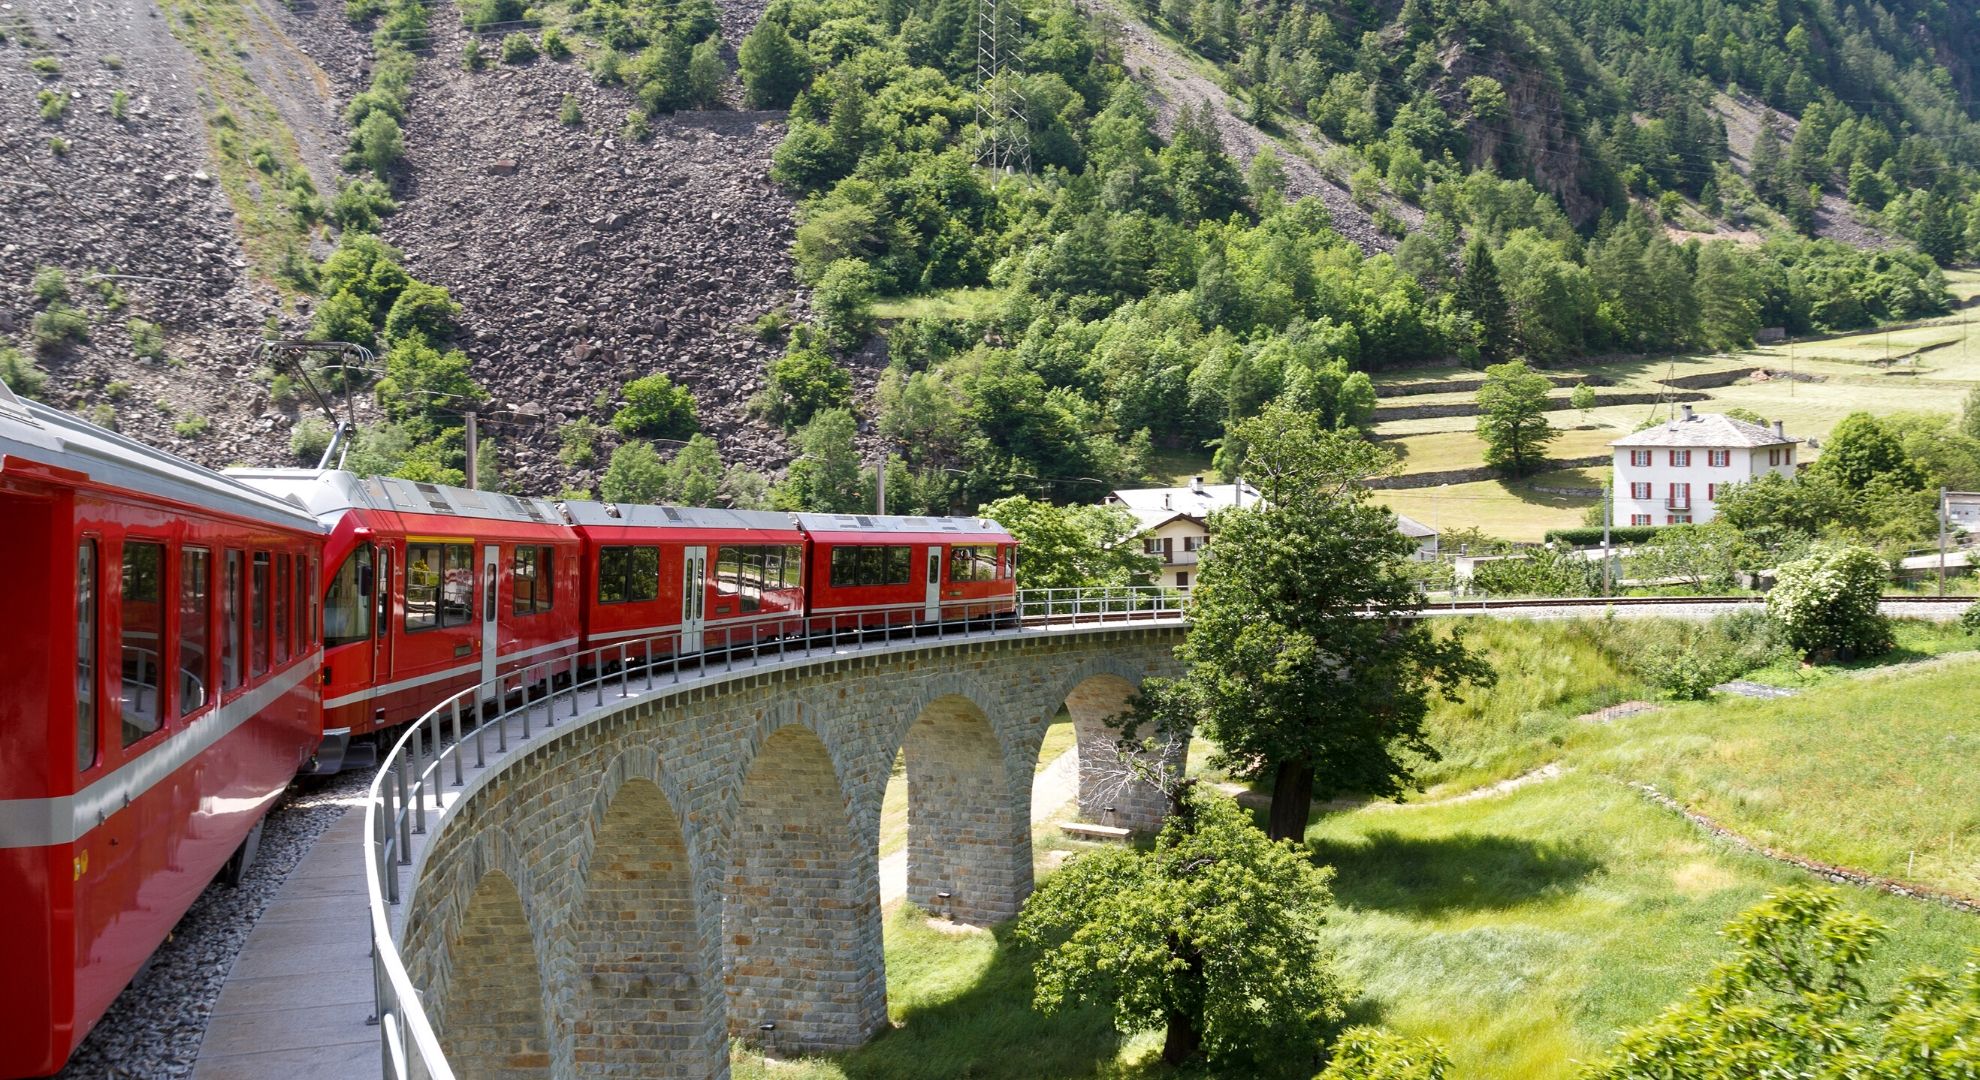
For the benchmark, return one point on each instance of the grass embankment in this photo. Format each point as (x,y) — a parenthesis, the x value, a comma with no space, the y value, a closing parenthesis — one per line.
(1526,927)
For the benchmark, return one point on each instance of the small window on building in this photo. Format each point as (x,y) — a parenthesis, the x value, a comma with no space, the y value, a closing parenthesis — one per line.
(1639,519)
(1182,579)
(1639,457)
(1680,519)
(142,652)
(1774,456)
(1711,493)
(1720,458)
(85,655)
(1151,546)
(1639,490)
(1680,459)
(195,628)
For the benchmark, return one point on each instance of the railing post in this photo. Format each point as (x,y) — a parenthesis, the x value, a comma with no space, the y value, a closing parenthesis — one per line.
(680,647)
(574,688)
(598,681)
(624,672)
(419,783)
(648,643)
(458,779)
(405,818)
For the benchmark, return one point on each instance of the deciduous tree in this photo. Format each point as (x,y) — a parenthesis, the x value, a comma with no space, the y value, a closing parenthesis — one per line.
(1512,416)
(1066,547)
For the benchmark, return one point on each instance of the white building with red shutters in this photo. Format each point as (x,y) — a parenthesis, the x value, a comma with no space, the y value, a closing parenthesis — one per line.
(1671,474)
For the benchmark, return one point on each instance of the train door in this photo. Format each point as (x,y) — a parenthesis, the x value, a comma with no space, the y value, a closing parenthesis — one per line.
(932,603)
(491,637)
(694,597)
(381,642)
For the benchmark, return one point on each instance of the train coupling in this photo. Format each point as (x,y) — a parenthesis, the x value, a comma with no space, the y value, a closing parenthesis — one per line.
(330,755)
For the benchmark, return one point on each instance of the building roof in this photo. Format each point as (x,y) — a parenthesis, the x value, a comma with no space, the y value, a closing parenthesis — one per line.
(1155,507)
(1412,528)
(1713,430)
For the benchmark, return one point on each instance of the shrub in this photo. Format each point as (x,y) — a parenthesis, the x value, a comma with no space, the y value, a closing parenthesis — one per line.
(191,427)
(45,66)
(53,104)
(658,408)
(844,293)
(360,204)
(309,439)
(570,114)
(119,103)
(578,443)
(377,144)
(147,339)
(58,325)
(1548,571)
(295,268)
(518,47)
(1969,620)
(102,415)
(554,45)
(636,128)
(50,284)
(471,58)
(608,67)
(58,146)
(482,14)
(1827,603)
(422,309)
(1592,537)
(1365,1053)
(22,375)
(802,383)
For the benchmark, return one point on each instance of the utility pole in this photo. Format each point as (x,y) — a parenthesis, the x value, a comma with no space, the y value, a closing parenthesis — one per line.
(1608,513)
(1942,542)
(880,486)
(473,448)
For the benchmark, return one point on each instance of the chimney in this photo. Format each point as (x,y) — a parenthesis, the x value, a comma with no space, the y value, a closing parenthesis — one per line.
(1687,413)
(1237,493)
(1196,484)
(1780,429)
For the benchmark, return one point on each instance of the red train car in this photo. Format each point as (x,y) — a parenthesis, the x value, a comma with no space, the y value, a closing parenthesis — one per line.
(718,577)
(429,590)
(157,693)
(893,571)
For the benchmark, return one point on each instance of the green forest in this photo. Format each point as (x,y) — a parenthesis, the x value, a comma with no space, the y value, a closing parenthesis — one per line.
(1148,292)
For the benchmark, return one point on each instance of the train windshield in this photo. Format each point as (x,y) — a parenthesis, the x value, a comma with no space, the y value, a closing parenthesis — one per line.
(347,603)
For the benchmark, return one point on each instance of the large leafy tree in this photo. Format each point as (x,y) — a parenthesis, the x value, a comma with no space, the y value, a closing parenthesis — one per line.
(1792,1001)
(1304,661)
(1214,935)
(1066,547)
(1862,449)
(1512,416)
(1828,602)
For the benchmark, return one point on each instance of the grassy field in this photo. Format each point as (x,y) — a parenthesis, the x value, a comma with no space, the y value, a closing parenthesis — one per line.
(1923,368)
(1523,925)
(1504,508)
(949,304)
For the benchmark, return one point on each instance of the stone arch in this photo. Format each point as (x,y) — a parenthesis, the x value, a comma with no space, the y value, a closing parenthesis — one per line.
(801,909)
(647,1003)
(495,1024)
(1098,696)
(969,827)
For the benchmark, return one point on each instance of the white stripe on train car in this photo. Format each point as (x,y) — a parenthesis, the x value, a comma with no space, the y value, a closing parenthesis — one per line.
(431,677)
(26,823)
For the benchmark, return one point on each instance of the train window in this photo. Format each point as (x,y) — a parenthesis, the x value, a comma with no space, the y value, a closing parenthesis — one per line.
(793,577)
(1009,555)
(85,655)
(195,628)
(284,590)
(535,580)
(313,614)
(258,614)
(439,585)
(972,564)
(347,608)
(142,655)
(231,613)
(861,565)
(628,574)
(744,572)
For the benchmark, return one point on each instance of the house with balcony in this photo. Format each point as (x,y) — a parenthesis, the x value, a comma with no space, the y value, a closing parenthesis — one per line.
(1671,474)
(1175,523)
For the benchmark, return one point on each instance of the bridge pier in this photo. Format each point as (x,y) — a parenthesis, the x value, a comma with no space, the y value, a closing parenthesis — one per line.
(969,826)
(1110,790)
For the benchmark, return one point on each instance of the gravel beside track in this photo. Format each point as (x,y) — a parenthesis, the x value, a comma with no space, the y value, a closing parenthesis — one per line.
(153,1029)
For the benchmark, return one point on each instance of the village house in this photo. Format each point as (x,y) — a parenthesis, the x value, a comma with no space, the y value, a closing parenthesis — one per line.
(1671,474)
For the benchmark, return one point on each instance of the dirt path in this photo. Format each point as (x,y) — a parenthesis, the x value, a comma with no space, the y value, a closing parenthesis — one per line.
(1175,83)
(1055,785)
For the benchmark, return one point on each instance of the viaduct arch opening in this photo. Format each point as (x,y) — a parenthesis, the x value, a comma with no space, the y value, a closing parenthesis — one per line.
(1109,793)
(969,833)
(801,912)
(494,1028)
(644,1002)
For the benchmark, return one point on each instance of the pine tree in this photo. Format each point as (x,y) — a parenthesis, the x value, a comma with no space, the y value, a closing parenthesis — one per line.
(773,70)
(1480,296)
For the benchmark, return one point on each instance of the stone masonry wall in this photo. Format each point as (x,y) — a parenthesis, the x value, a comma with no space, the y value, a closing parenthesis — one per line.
(644,840)
(497,1030)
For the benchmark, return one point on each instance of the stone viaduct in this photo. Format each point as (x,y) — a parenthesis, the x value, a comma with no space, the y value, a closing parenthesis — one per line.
(624,894)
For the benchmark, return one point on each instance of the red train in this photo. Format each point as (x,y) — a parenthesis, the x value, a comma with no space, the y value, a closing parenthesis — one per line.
(233,630)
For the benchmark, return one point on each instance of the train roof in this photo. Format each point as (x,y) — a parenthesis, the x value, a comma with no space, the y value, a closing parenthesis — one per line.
(326,492)
(928,529)
(650,516)
(32,431)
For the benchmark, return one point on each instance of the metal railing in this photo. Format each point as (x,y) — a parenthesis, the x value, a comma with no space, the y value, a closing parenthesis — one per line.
(415,773)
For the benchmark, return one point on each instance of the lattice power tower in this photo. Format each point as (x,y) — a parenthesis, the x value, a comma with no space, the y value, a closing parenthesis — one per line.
(1000,118)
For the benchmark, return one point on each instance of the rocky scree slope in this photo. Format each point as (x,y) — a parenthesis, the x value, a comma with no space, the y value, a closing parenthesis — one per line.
(582,258)
(137,197)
